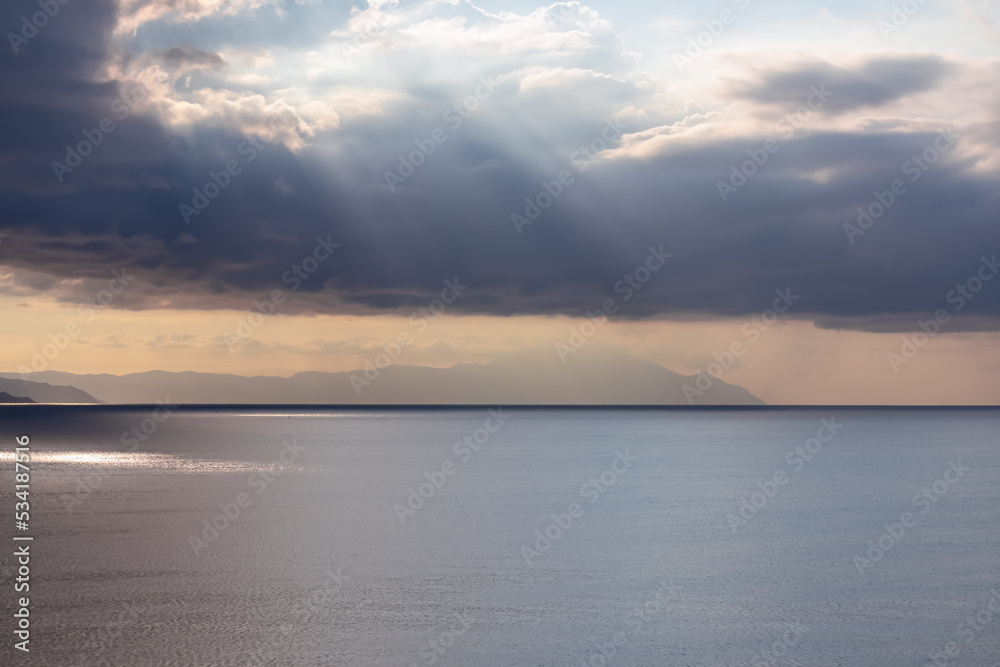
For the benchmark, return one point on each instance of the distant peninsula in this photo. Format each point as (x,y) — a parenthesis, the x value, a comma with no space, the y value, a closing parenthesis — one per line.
(7,398)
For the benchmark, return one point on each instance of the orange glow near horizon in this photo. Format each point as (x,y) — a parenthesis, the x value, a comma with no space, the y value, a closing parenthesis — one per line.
(792,362)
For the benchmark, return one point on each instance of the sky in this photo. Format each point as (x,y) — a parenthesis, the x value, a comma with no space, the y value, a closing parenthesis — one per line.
(267,187)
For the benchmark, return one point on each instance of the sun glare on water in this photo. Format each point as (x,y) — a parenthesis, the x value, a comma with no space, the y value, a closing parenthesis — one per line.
(55,460)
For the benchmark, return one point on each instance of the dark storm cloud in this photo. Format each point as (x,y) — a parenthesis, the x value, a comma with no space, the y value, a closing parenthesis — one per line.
(452,217)
(878,81)
(184,57)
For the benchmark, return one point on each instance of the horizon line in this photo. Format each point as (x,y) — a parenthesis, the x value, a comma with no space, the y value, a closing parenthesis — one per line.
(519,406)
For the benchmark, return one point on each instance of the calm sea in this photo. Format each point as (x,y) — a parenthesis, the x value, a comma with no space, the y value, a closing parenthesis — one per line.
(506,537)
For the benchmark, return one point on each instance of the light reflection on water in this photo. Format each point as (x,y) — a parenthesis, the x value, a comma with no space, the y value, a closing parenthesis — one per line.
(148,461)
(314,415)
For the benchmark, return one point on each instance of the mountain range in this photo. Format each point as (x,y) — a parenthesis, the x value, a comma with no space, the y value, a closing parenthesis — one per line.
(518,378)
(13,386)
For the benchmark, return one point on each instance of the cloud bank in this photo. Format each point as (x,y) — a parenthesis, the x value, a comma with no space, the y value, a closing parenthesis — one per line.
(533,155)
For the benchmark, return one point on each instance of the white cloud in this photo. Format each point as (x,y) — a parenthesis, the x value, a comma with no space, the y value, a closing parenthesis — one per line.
(133,13)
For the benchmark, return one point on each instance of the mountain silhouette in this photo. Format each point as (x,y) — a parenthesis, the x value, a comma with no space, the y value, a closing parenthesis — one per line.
(41,392)
(7,398)
(598,377)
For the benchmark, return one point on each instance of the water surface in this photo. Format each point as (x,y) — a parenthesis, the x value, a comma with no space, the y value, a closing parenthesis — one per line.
(326,567)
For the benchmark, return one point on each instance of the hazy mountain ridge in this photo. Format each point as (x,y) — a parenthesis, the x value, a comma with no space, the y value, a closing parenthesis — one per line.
(42,392)
(531,377)
(7,398)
